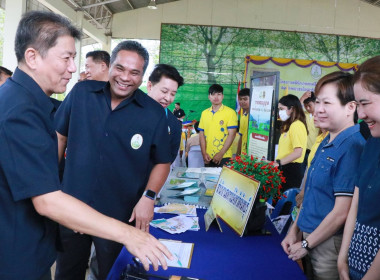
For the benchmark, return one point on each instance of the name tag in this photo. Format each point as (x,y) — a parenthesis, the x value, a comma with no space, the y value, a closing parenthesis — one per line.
(330,159)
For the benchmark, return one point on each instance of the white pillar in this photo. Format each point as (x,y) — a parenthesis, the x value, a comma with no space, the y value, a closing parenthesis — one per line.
(78,47)
(14,9)
(107,46)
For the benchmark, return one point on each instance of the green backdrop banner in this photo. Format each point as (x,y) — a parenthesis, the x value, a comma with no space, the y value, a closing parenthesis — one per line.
(209,54)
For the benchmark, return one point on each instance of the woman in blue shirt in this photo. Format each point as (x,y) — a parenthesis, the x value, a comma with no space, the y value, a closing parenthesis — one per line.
(359,257)
(330,181)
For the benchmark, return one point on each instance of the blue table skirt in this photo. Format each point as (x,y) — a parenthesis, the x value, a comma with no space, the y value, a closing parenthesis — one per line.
(224,255)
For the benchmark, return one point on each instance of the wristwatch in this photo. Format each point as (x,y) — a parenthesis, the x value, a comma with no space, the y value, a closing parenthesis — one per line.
(305,244)
(279,163)
(150,194)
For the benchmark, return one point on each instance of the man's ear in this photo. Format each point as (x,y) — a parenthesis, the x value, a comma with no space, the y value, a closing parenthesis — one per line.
(31,58)
(149,86)
(104,67)
(351,106)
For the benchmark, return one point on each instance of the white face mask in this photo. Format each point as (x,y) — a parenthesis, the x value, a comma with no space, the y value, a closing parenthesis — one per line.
(283,115)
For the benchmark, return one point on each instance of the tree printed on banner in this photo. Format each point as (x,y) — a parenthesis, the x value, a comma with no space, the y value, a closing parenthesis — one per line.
(209,54)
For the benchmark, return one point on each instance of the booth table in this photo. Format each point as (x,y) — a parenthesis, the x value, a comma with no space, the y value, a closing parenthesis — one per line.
(224,255)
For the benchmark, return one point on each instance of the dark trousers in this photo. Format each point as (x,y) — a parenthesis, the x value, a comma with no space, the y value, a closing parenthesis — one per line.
(293,175)
(222,162)
(72,262)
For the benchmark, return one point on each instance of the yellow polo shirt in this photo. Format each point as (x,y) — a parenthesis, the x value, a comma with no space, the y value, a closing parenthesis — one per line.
(215,127)
(295,137)
(313,131)
(313,149)
(243,131)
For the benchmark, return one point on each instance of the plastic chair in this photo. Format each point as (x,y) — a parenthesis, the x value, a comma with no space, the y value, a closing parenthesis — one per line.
(285,205)
(194,157)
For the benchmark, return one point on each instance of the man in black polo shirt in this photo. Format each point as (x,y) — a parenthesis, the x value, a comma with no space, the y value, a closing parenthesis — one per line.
(97,65)
(113,131)
(29,183)
(163,84)
(178,112)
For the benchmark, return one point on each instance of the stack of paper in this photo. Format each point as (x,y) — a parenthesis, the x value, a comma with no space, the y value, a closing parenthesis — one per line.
(176,224)
(176,208)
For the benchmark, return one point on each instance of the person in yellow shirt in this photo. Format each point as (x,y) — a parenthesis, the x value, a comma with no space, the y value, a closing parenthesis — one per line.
(308,101)
(293,140)
(243,97)
(217,128)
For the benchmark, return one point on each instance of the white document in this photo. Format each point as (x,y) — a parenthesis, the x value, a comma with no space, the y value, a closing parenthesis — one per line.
(182,253)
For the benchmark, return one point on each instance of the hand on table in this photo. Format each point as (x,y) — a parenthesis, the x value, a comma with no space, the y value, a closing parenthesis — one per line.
(147,248)
(143,213)
(297,252)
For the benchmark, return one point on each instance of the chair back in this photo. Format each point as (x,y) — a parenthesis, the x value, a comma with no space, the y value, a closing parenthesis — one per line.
(289,202)
(194,157)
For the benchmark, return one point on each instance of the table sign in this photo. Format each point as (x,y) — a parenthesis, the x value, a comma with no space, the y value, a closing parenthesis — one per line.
(234,196)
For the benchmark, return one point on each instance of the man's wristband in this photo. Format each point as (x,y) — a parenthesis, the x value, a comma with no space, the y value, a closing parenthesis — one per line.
(150,194)
(279,163)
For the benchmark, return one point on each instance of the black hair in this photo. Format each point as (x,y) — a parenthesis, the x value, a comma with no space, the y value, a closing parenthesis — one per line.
(40,30)
(312,98)
(215,88)
(292,101)
(369,74)
(132,46)
(5,71)
(99,56)
(196,125)
(244,92)
(344,82)
(177,103)
(165,70)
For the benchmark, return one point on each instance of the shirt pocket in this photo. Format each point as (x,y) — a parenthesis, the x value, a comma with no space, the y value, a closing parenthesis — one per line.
(323,173)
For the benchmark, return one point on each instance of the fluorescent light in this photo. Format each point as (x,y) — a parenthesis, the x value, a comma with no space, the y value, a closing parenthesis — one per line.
(152,5)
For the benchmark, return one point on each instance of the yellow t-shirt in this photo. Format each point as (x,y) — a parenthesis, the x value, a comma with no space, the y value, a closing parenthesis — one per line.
(313,131)
(313,149)
(243,131)
(183,141)
(215,127)
(295,137)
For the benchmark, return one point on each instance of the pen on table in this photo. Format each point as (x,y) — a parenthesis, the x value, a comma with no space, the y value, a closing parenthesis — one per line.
(178,261)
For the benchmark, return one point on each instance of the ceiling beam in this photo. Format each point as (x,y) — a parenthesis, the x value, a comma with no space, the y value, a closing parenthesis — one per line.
(100,3)
(129,3)
(58,6)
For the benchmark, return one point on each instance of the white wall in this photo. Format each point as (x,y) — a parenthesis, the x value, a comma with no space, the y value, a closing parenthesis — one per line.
(343,17)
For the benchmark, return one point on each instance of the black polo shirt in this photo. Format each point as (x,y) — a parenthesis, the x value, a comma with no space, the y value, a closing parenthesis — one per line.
(28,168)
(179,113)
(109,151)
(175,130)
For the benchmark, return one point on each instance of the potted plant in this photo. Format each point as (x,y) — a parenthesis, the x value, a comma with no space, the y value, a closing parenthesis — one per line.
(271,180)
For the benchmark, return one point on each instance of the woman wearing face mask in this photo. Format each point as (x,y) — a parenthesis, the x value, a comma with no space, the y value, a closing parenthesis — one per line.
(359,257)
(329,187)
(293,140)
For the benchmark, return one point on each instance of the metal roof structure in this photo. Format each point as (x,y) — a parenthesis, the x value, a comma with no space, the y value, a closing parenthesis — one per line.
(99,13)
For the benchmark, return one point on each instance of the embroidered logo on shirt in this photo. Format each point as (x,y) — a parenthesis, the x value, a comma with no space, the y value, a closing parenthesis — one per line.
(221,122)
(136,141)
